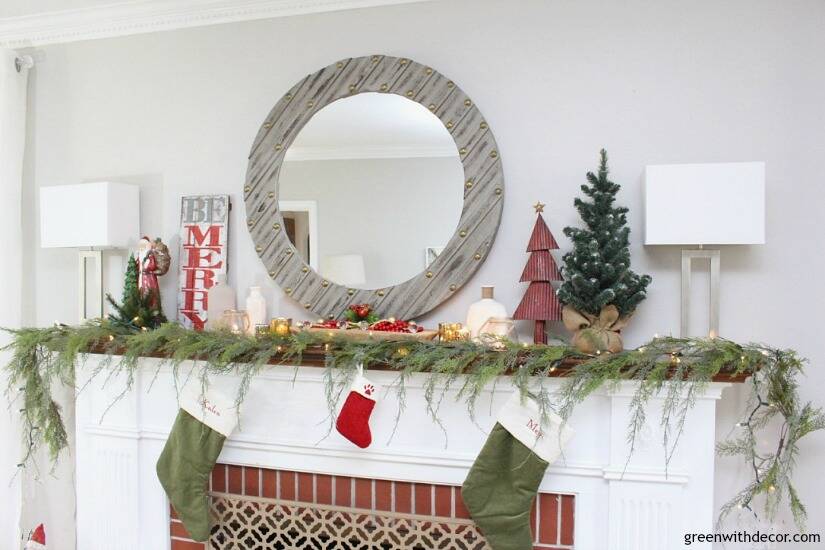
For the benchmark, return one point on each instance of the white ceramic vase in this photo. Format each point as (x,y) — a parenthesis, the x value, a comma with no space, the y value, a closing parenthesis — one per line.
(255,308)
(481,311)
(219,298)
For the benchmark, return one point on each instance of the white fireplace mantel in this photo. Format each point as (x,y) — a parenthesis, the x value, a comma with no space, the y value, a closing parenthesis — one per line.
(619,505)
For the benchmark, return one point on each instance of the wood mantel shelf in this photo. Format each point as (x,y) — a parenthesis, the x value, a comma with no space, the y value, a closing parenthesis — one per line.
(315,356)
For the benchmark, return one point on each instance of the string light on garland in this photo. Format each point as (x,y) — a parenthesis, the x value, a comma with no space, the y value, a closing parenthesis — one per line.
(43,356)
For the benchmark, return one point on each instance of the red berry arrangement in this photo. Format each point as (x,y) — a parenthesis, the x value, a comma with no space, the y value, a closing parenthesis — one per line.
(360,312)
(329,324)
(395,325)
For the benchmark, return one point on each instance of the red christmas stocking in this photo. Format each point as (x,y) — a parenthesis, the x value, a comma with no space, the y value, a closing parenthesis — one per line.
(353,420)
(37,540)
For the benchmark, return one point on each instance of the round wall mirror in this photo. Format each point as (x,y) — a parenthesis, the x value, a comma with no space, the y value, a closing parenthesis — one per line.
(374,180)
(371,190)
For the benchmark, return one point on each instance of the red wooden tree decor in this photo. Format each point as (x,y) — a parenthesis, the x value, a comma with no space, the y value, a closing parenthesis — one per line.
(540,303)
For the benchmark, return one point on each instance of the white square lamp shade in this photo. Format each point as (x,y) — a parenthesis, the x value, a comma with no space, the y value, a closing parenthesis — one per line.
(101,214)
(705,204)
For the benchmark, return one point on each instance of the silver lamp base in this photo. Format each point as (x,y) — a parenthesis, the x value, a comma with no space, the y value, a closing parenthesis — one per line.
(96,293)
(715,259)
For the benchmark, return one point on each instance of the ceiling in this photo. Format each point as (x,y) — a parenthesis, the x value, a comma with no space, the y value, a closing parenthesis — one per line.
(19,8)
(26,23)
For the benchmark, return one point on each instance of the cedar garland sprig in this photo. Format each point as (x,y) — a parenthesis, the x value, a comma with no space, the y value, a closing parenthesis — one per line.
(674,369)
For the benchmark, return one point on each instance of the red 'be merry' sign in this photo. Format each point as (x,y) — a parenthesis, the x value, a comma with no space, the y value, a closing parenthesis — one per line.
(204,236)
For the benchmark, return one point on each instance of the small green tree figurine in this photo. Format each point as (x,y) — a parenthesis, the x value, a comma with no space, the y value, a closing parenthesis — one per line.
(136,309)
(597,271)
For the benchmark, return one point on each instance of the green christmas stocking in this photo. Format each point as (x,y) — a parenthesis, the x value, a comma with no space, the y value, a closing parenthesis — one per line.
(205,420)
(505,477)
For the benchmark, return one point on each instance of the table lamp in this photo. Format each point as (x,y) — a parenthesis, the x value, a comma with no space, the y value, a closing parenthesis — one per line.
(91,217)
(704,204)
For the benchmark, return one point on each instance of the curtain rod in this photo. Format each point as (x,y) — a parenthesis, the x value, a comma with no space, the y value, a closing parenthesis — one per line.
(23,62)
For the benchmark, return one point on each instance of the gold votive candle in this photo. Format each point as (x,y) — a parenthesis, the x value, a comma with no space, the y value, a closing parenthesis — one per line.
(450,332)
(280,326)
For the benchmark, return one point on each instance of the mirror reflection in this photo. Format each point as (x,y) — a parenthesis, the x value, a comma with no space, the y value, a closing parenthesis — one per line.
(371,190)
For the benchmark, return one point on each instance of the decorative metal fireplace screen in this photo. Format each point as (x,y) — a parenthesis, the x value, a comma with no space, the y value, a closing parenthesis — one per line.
(250,523)
(261,509)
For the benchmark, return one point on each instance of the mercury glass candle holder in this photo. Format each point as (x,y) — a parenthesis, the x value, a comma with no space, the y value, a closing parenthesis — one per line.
(280,326)
(451,332)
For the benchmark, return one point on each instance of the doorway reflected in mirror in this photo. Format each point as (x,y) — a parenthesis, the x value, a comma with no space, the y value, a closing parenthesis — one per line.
(386,181)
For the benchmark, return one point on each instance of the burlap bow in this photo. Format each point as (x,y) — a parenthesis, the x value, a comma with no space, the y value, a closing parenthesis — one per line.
(593,333)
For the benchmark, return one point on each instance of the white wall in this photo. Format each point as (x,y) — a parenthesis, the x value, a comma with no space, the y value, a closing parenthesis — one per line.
(387,210)
(653,82)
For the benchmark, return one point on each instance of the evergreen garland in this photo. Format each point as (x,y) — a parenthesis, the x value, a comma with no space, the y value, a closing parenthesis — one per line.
(677,370)
(597,271)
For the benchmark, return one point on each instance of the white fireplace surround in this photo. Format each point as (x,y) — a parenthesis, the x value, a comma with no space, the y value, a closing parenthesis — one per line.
(638,506)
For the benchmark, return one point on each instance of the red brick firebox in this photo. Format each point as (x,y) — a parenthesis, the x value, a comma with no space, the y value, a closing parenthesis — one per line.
(552,514)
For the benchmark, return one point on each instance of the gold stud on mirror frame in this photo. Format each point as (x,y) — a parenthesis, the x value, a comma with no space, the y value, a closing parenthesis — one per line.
(493,153)
(324,284)
(402,61)
(469,184)
(431,107)
(428,71)
(467,103)
(272,274)
(288,97)
(247,189)
(259,249)
(267,125)
(452,288)
(375,59)
(278,147)
(462,233)
(339,64)
(288,290)
(307,305)
(449,124)
(429,274)
(380,292)
(310,104)
(450,83)
(250,223)
(276,226)
(305,269)
(410,93)
(462,151)
(352,88)
(477,257)
(350,292)
(384,87)
(483,125)
(270,195)
(498,190)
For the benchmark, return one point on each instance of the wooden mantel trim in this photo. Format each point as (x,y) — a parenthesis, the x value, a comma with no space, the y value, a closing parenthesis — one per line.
(315,356)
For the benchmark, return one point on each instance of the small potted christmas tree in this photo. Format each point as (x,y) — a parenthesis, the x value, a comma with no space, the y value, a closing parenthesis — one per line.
(600,292)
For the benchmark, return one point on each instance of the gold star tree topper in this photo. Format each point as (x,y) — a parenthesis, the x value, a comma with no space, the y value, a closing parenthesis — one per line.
(539,206)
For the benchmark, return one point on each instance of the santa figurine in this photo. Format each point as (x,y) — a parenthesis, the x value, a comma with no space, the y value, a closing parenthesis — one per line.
(153,260)
(37,540)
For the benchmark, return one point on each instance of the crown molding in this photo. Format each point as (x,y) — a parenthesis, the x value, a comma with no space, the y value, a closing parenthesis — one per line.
(300,154)
(144,16)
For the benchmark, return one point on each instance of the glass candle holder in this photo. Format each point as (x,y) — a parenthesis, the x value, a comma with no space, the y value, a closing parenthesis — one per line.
(280,326)
(451,332)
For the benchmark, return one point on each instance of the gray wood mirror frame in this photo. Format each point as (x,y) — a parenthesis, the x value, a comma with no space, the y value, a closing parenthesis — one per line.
(483,186)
